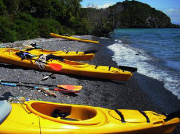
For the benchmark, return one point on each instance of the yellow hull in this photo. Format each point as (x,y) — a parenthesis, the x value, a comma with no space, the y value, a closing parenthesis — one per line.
(73,38)
(36,117)
(68,67)
(70,55)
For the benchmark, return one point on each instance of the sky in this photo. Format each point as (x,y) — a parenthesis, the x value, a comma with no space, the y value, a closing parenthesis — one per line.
(169,7)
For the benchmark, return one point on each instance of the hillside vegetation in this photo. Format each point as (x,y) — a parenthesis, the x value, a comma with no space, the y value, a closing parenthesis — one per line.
(27,19)
(127,14)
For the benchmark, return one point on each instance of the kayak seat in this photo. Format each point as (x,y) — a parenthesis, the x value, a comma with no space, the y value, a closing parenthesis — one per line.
(70,119)
(57,113)
(5,109)
(53,57)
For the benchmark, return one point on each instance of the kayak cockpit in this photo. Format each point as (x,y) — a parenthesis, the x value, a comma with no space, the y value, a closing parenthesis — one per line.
(74,63)
(64,113)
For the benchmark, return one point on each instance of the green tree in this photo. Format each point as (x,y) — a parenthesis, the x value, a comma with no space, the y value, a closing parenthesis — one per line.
(26,26)
(3,8)
(25,6)
(6,30)
(12,6)
(47,26)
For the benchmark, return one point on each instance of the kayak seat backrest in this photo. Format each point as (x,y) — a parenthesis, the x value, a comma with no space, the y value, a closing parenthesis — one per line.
(82,113)
(5,109)
(54,57)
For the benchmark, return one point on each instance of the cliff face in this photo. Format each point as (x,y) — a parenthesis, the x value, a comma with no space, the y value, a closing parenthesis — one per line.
(127,14)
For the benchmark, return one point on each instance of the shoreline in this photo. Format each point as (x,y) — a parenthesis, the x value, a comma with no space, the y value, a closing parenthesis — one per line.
(141,92)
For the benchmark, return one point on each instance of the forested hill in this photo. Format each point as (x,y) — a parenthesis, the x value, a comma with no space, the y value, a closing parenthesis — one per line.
(127,14)
(26,19)
(134,14)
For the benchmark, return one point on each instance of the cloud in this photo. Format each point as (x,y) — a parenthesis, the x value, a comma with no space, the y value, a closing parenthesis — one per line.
(91,5)
(174,14)
(172,11)
(104,6)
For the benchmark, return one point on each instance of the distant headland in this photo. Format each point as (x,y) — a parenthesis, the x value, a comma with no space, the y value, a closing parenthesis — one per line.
(127,14)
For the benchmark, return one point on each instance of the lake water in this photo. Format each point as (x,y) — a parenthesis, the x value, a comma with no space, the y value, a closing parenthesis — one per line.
(155,52)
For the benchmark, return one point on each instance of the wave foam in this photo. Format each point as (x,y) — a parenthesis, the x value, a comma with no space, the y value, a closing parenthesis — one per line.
(128,56)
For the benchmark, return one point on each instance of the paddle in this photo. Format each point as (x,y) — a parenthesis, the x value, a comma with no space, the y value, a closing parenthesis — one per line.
(173,115)
(71,88)
(55,66)
(42,62)
(131,69)
(45,90)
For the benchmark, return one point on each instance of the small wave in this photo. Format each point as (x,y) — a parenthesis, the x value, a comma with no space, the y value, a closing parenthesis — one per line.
(129,56)
(104,38)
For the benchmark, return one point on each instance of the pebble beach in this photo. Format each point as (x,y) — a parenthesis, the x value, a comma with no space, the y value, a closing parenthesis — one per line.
(140,92)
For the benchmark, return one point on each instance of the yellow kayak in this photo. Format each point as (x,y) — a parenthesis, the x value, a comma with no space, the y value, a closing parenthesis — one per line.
(71,55)
(73,38)
(39,117)
(25,59)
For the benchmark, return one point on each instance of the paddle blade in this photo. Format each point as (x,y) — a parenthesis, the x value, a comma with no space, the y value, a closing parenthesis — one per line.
(55,66)
(65,91)
(71,88)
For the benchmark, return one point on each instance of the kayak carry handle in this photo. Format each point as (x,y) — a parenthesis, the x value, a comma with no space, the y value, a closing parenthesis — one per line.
(90,51)
(172,115)
(131,69)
